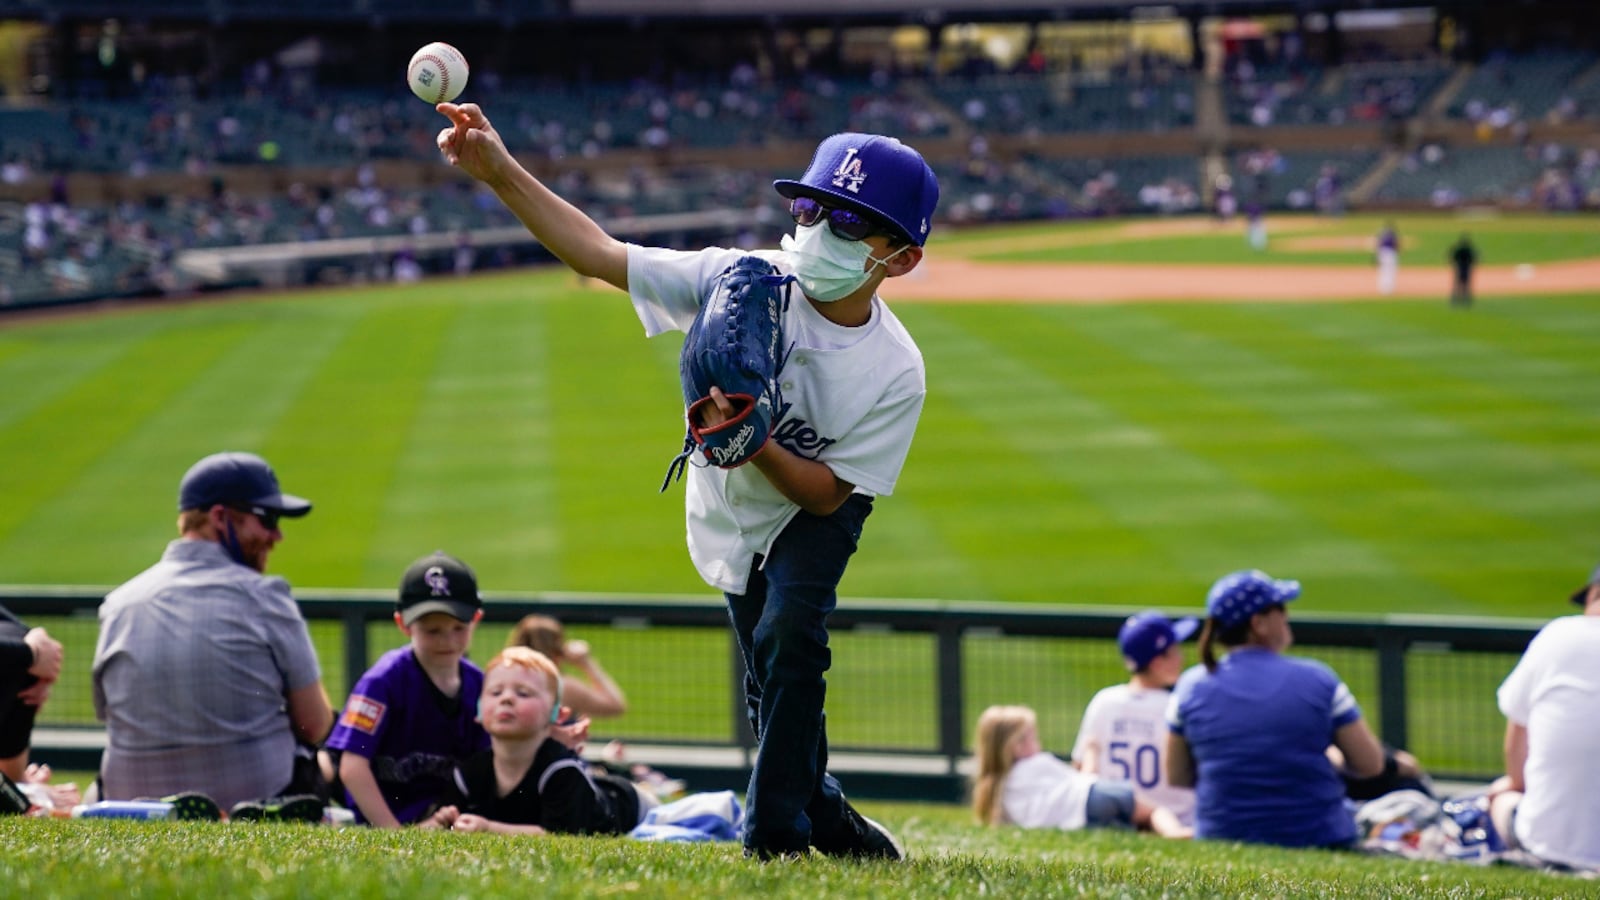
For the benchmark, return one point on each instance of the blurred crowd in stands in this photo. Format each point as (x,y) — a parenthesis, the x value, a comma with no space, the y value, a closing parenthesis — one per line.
(276,119)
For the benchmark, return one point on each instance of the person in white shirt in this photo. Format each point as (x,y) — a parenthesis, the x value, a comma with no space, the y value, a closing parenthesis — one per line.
(775,535)
(1546,802)
(1018,783)
(1124,733)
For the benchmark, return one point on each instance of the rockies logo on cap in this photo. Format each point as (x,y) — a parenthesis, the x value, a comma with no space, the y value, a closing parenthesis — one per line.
(436,581)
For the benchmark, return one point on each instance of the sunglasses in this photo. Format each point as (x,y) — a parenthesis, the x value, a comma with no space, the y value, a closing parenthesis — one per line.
(845,224)
(267,517)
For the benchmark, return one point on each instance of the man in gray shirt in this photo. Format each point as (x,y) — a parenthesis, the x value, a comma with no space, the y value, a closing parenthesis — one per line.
(204,672)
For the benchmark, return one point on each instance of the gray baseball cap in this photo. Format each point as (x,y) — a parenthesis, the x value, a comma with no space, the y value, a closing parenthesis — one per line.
(238,480)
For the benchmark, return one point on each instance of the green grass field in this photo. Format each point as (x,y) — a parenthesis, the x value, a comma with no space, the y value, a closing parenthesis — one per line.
(1394,456)
(950,858)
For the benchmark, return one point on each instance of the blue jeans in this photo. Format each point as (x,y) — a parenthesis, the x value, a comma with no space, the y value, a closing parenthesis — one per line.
(781,623)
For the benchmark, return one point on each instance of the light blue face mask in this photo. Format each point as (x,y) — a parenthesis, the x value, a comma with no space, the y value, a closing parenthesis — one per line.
(827,266)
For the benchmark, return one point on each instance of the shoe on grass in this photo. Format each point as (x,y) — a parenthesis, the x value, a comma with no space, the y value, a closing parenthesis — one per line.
(194,806)
(294,808)
(860,838)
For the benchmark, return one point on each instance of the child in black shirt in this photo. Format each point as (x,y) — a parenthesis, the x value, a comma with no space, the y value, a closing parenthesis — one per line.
(526,783)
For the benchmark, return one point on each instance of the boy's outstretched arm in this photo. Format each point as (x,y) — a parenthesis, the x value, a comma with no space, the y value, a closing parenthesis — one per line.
(472,145)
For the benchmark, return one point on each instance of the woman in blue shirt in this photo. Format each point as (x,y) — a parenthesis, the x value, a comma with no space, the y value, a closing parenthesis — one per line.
(1250,733)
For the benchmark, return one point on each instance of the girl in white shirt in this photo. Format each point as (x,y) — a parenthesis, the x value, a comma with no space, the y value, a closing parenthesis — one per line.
(1018,783)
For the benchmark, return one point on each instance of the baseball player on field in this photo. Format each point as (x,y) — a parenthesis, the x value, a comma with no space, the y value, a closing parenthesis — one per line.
(775,534)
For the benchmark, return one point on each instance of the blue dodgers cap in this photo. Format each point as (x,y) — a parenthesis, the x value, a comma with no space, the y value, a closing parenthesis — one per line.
(237,479)
(1148,635)
(1239,595)
(874,174)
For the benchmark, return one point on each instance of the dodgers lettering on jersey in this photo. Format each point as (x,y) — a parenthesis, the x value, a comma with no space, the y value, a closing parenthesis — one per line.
(797,436)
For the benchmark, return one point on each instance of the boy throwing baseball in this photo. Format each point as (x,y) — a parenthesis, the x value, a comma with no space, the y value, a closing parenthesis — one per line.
(775,535)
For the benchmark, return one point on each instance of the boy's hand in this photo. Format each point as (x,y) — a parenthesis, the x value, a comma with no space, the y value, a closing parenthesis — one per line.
(471,144)
(573,736)
(719,410)
(444,818)
(470,822)
(46,655)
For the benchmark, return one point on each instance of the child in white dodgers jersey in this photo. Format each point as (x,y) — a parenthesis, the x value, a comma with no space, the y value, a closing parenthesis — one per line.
(1124,733)
(775,535)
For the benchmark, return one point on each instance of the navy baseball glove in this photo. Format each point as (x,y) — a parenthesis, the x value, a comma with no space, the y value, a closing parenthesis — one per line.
(736,344)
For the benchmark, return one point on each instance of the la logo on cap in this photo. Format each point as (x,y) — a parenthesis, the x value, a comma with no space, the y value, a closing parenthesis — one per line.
(436,581)
(849,175)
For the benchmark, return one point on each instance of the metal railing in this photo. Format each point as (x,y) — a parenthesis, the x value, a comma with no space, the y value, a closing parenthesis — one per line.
(908,679)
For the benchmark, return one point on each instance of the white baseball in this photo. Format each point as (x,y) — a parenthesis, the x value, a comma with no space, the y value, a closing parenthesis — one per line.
(438,72)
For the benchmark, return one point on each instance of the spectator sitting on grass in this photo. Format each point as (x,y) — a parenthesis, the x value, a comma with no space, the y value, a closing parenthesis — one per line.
(527,782)
(597,695)
(1124,732)
(1018,783)
(411,718)
(1251,733)
(30,662)
(204,672)
(1546,802)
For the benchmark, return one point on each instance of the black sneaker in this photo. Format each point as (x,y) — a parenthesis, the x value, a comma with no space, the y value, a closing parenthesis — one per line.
(296,808)
(194,806)
(861,838)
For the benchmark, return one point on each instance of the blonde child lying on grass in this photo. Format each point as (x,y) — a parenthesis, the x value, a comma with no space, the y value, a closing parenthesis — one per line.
(1018,783)
(526,782)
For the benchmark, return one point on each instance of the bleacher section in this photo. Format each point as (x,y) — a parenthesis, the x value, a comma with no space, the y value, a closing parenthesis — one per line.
(1061,143)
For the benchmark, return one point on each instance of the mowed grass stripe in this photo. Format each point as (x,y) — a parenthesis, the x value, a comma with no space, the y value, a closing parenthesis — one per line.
(1015,455)
(46,451)
(616,424)
(346,430)
(1280,467)
(1534,394)
(1340,473)
(40,364)
(1481,536)
(119,509)
(474,474)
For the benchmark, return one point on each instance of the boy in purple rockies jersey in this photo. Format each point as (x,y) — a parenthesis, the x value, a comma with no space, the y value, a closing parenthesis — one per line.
(413,715)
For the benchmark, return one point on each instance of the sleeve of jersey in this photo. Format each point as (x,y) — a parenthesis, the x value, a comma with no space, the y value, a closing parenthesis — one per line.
(568,798)
(1090,727)
(16,657)
(1345,709)
(667,286)
(288,635)
(875,450)
(1515,696)
(364,719)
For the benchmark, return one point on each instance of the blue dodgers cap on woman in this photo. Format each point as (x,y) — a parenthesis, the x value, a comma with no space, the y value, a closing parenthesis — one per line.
(1239,595)
(237,479)
(875,174)
(1148,635)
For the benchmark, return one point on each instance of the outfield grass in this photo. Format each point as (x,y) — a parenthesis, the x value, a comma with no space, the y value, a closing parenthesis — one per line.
(950,858)
(1393,456)
(1426,240)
